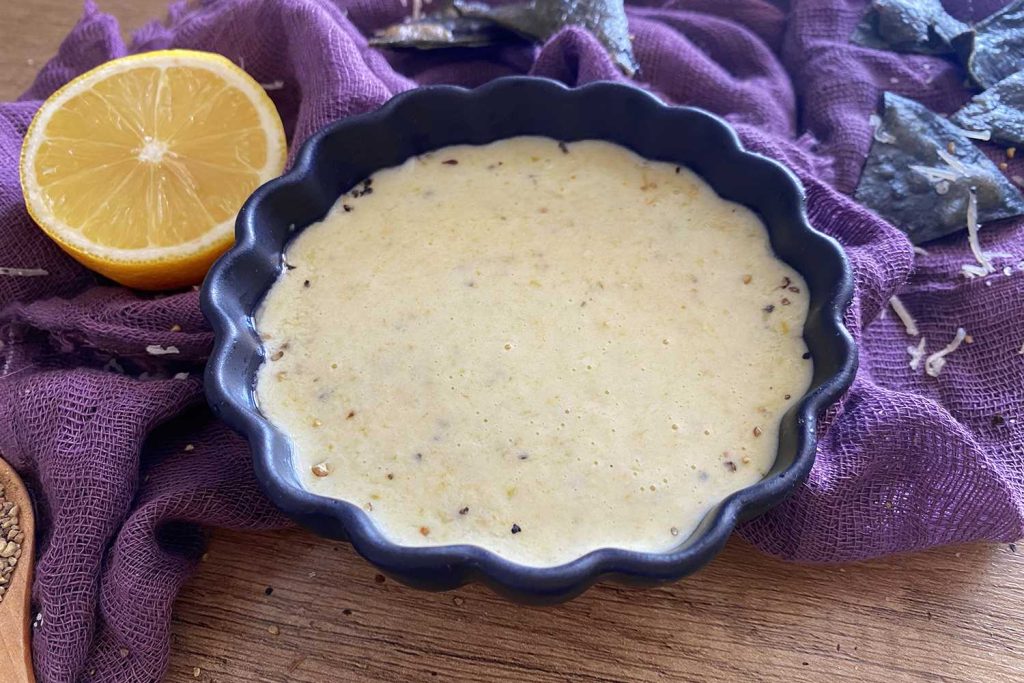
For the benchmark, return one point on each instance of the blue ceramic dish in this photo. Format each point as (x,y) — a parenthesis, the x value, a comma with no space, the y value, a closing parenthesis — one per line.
(345,152)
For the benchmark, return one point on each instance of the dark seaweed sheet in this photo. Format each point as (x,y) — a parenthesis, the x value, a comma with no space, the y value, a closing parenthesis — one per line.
(443,29)
(1000,109)
(920,26)
(995,49)
(910,134)
(541,19)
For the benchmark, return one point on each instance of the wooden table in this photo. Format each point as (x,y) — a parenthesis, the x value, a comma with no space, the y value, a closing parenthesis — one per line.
(287,606)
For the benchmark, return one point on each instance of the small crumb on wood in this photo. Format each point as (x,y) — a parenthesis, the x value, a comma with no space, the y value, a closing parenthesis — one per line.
(273,630)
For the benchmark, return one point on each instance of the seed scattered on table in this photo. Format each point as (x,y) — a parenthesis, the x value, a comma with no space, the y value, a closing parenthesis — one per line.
(516,529)
(197,672)
(747,279)
(321,469)
(464,511)
(758,431)
(273,630)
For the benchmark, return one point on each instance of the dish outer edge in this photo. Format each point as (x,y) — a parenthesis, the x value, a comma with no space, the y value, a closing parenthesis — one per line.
(446,567)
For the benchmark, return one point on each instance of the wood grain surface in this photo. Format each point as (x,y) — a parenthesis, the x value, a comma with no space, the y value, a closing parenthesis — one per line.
(287,606)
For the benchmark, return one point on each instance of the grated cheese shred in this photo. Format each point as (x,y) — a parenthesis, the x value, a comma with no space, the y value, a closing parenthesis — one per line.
(157,350)
(935,362)
(23,272)
(904,315)
(916,354)
(985,263)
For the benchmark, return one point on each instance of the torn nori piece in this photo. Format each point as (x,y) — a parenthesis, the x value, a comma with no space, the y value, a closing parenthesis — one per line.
(907,181)
(995,49)
(446,28)
(920,26)
(1000,109)
(541,19)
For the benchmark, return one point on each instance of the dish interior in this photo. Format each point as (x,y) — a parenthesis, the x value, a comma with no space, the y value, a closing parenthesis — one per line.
(535,347)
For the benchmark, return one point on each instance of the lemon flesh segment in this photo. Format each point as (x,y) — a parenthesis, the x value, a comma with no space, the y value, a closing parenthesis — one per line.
(139,167)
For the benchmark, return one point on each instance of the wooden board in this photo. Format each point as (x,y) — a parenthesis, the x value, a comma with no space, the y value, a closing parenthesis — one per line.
(947,615)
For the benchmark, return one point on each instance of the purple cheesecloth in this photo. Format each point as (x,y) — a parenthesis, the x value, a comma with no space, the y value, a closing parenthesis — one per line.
(98,427)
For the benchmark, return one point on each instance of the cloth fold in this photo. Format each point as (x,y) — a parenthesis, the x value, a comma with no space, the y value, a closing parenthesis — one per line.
(128,468)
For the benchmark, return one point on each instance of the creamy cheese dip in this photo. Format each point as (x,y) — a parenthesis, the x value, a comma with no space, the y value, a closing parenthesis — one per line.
(537,348)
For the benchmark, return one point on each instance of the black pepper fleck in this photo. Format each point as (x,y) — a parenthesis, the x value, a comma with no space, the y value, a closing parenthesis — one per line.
(346,207)
(806,356)
(364,190)
(268,590)
(350,415)
(450,162)
(347,612)
(524,456)
(289,266)
(730,465)
(677,169)
(516,529)
(305,284)
(419,456)
(391,476)
(562,146)
(464,511)
(769,308)
(787,397)
(1013,547)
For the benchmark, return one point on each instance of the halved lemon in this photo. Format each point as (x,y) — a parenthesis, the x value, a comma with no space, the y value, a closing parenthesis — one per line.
(138,167)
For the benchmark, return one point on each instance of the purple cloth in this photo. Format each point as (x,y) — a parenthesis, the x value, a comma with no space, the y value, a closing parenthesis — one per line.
(100,428)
